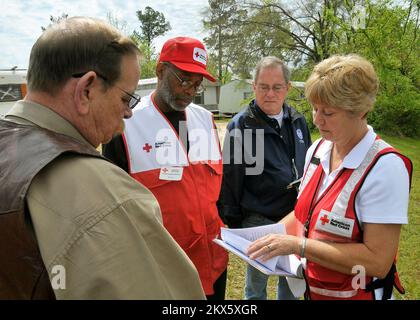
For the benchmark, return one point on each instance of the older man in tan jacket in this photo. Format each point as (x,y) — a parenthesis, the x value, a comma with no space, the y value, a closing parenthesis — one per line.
(72,225)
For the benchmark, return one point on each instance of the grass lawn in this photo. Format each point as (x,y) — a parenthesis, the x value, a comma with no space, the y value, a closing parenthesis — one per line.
(409,252)
(409,249)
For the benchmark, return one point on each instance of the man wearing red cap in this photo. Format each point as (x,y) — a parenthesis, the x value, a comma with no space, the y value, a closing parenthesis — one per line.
(171,146)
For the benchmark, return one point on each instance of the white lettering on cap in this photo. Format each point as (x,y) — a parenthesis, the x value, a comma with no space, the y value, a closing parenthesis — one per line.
(200,55)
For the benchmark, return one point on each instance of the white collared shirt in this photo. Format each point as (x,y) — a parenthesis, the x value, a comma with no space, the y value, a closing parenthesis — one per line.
(384,195)
(278,117)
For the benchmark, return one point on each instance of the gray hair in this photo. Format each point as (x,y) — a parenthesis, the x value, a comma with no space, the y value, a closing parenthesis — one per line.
(270,62)
(77,45)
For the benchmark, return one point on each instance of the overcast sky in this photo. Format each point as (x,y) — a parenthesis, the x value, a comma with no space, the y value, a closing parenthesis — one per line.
(21,21)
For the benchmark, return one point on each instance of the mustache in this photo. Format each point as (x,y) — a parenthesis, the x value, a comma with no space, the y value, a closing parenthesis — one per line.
(187,99)
(183,97)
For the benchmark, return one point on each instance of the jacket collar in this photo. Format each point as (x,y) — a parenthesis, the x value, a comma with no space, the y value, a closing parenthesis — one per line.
(31,113)
(255,118)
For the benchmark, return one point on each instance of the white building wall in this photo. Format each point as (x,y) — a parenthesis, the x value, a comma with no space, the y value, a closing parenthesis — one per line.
(10,78)
(5,107)
(233,94)
(147,86)
(210,96)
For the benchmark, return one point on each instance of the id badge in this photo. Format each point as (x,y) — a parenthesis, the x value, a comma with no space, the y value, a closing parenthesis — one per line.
(171,173)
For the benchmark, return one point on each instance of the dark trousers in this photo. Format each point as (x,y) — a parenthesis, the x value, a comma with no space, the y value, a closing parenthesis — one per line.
(219,288)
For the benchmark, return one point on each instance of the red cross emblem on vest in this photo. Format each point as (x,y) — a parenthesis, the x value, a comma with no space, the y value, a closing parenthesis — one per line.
(324,219)
(164,170)
(147,147)
(197,54)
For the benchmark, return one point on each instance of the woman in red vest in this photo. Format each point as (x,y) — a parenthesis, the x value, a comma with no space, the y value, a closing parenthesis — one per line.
(354,194)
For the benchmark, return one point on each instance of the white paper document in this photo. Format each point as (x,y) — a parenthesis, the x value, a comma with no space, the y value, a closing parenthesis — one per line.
(237,241)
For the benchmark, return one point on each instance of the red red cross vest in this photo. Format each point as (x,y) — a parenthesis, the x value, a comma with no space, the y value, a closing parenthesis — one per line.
(186,186)
(333,218)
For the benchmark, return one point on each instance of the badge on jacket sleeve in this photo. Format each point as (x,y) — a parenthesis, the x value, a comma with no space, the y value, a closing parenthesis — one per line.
(330,222)
(171,173)
(300,135)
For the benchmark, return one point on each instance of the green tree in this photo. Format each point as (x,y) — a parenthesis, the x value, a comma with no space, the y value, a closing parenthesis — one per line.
(256,39)
(390,40)
(308,31)
(149,58)
(240,34)
(153,24)
(312,29)
(219,20)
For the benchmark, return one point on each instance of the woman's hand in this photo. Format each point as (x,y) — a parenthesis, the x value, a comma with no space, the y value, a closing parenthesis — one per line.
(273,245)
(376,253)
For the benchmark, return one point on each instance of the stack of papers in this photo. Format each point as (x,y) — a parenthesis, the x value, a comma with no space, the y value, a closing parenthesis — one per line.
(237,241)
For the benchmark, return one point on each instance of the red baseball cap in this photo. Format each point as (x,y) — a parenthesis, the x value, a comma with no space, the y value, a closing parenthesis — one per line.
(187,54)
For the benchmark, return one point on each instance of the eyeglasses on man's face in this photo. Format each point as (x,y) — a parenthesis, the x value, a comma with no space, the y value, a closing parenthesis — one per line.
(277,88)
(134,98)
(186,84)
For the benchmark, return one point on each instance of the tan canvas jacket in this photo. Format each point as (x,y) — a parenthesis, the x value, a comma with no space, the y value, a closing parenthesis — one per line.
(101,227)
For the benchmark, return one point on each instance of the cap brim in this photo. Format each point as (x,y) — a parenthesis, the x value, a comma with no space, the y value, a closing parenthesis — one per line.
(189,67)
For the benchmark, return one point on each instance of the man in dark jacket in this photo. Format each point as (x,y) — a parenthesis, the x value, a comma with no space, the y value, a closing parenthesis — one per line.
(264,154)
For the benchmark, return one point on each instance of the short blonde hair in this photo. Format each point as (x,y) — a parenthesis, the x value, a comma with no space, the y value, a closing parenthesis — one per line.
(343,81)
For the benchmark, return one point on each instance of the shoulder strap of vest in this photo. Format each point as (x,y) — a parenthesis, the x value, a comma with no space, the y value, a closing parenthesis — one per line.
(341,203)
(41,146)
(314,159)
(25,150)
(313,164)
(388,283)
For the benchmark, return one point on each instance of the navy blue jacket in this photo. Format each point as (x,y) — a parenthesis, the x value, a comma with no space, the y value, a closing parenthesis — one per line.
(265,193)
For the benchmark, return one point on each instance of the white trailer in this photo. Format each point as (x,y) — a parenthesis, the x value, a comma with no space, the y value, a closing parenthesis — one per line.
(12,88)
(207,99)
(235,95)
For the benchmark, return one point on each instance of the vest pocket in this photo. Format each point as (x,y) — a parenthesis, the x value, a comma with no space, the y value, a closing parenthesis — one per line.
(194,248)
(150,179)
(214,181)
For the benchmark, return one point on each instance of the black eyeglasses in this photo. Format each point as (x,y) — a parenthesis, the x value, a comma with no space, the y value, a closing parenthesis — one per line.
(277,88)
(186,84)
(134,98)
